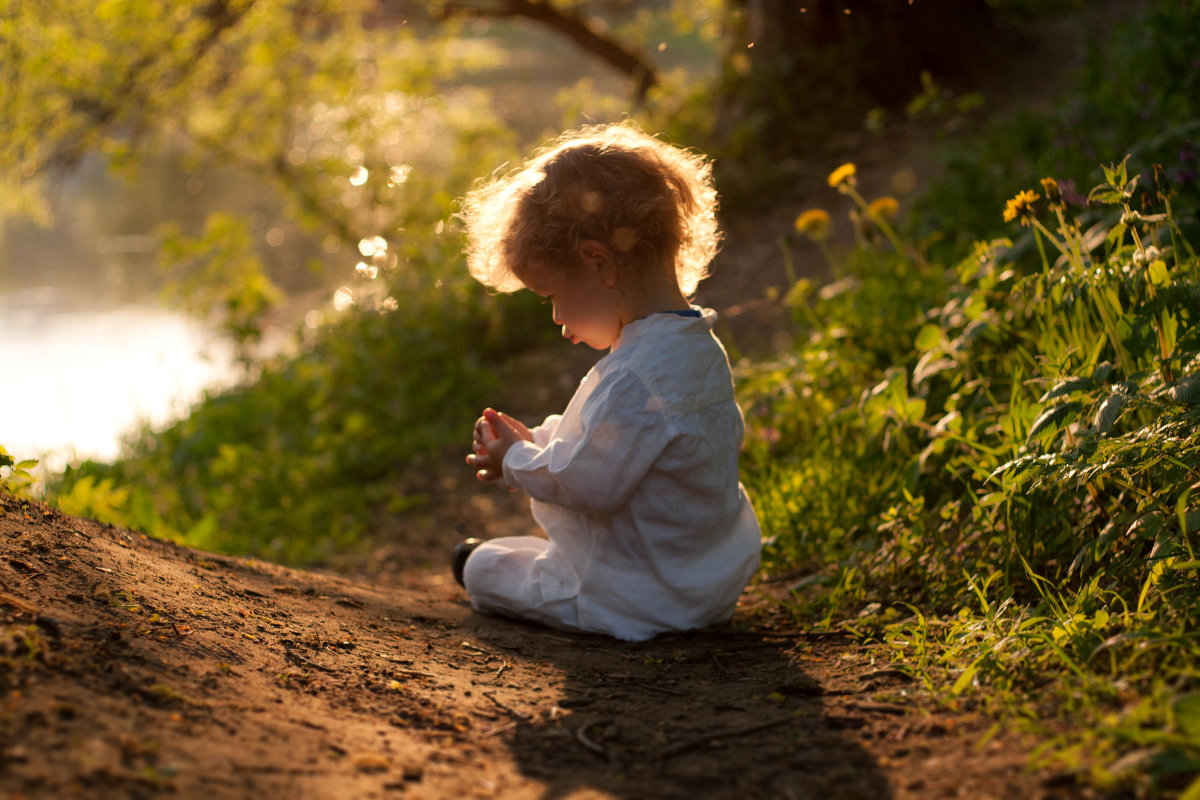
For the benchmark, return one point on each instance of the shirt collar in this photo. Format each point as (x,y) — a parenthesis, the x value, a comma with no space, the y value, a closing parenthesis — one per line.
(659,323)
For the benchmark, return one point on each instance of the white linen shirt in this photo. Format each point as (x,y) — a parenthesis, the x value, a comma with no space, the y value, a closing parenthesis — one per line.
(636,485)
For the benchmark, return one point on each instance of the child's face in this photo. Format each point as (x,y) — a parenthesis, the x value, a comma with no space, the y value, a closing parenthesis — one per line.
(587,307)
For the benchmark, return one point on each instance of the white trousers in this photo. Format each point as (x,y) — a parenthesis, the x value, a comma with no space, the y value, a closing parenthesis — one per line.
(524,577)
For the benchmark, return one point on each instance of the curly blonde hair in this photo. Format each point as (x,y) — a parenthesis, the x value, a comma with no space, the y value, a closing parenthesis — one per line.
(651,203)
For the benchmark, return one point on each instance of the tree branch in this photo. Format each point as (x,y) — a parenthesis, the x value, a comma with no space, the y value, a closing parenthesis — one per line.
(130,93)
(572,25)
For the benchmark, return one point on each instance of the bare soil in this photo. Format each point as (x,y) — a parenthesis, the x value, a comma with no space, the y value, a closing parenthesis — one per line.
(132,667)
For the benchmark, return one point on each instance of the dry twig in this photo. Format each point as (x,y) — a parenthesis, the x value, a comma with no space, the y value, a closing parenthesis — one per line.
(513,711)
(299,660)
(582,736)
(676,749)
(17,603)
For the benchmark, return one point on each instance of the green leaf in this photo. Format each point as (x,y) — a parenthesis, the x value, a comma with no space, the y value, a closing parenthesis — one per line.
(1187,715)
(1192,792)
(1104,194)
(929,337)
(930,365)
(1109,410)
(964,680)
(1116,175)
(1066,387)
(1053,417)
(1159,276)
(913,410)
(1115,235)
(1186,390)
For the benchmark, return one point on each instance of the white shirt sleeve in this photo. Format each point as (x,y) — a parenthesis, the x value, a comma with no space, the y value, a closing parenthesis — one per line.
(543,433)
(594,469)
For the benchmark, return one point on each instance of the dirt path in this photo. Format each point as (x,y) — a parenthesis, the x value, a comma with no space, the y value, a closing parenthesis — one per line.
(136,668)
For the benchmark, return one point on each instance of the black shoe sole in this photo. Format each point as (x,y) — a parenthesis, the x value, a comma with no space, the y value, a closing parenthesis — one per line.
(458,561)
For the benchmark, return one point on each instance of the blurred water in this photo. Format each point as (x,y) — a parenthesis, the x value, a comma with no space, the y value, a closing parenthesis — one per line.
(87,350)
(76,379)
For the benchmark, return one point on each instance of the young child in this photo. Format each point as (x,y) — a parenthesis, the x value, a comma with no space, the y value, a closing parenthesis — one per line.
(636,483)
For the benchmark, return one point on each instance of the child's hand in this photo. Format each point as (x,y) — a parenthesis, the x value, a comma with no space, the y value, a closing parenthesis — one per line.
(479,458)
(504,426)
(495,433)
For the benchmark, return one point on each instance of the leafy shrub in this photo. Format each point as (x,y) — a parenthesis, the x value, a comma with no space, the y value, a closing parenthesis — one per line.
(295,464)
(1008,472)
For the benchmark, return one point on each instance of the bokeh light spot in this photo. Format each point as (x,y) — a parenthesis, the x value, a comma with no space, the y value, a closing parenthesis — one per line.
(372,245)
(399,174)
(343,298)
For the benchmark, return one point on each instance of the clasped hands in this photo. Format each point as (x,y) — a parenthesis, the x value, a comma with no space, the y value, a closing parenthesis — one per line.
(495,433)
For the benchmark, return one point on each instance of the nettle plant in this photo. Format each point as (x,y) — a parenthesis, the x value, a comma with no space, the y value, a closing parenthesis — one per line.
(997,416)
(1065,400)
(994,467)
(831,442)
(1118,421)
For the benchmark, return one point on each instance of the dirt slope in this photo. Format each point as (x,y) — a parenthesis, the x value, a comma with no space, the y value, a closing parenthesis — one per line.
(136,668)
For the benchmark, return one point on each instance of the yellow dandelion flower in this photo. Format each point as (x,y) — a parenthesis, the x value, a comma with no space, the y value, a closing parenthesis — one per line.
(1053,193)
(843,175)
(884,207)
(1020,207)
(814,223)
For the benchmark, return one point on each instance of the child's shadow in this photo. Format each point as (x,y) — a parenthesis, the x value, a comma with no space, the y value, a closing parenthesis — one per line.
(717,714)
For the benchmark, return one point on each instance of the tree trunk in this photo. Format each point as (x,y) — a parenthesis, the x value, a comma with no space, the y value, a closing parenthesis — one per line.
(886,44)
(794,61)
(561,18)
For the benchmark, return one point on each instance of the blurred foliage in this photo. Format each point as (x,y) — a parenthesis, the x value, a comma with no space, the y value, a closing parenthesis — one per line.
(219,271)
(1138,94)
(1024,10)
(357,124)
(979,451)
(296,465)
(16,477)
(369,141)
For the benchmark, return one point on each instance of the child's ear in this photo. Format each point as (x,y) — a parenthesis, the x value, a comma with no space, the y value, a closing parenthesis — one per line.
(596,255)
